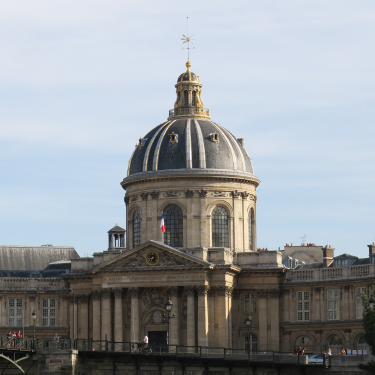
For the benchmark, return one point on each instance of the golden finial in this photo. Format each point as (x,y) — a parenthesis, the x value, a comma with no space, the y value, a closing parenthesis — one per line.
(187,39)
(188,65)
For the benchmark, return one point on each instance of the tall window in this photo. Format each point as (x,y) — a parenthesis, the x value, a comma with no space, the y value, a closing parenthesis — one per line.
(358,302)
(333,298)
(136,228)
(220,237)
(15,312)
(251,342)
(194,98)
(250,303)
(303,306)
(173,235)
(250,229)
(186,98)
(49,312)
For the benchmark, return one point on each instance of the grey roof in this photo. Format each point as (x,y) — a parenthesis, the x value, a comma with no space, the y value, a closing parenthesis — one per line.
(345,256)
(361,261)
(194,149)
(18,258)
(116,228)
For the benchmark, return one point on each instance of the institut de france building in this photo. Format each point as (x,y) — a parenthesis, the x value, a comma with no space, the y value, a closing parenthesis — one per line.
(200,176)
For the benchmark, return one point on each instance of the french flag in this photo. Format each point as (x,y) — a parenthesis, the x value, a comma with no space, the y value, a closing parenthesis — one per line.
(162,226)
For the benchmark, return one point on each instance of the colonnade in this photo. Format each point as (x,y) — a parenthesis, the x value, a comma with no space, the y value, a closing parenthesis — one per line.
(202,315)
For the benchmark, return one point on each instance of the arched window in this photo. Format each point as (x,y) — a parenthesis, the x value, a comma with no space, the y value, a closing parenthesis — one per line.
(306,343)
(251,342)
(173,221)
(335,344)
(220,237)
(251,218)
(136,229)
(186,98)
(250,303)
(362,345)
(194,98)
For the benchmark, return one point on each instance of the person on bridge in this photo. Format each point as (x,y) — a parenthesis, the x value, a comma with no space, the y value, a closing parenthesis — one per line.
(10,339)
(19,338)
(145,343)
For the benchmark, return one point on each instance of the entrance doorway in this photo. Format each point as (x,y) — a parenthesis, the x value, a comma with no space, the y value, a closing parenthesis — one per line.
(158,341)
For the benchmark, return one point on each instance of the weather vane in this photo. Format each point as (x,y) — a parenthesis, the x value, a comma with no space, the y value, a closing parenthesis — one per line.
(187,39)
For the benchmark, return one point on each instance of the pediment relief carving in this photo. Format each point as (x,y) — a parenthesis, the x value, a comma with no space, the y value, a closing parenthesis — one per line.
(142,258)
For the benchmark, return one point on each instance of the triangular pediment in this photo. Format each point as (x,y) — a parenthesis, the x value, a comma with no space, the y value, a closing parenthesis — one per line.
(152,255)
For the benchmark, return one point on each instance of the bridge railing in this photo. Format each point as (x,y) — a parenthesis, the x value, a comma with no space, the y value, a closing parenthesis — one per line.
(177,351)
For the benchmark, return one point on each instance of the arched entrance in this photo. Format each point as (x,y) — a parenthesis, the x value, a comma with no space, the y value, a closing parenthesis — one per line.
(335,344)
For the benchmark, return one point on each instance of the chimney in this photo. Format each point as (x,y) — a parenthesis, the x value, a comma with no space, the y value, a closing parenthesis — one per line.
(328,254)
(371,248)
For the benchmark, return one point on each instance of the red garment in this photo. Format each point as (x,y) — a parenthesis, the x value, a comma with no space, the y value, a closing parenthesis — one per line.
(19,334)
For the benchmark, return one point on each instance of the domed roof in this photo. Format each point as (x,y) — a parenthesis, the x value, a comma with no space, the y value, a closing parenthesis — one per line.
(190,144)
(188,76)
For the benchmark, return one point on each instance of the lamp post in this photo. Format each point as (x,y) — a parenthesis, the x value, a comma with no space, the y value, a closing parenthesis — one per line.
(33,317)
(371,301)
(168,307)
(248,322)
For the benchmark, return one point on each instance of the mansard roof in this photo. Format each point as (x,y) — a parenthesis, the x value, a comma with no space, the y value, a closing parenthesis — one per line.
(23,258)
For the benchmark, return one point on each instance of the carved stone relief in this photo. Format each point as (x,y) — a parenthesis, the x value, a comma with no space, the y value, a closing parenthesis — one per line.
(144,196)
(154,297)
(189,193)
(235,194)
(219,194)
(154,194)
(134,198)
(202,193)
(171,194)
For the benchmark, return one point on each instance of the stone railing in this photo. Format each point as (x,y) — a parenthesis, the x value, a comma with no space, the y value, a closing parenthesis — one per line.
(193,111)
(30,284)
(333,273)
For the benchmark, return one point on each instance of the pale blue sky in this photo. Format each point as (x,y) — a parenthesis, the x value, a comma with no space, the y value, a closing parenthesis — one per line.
(81,81)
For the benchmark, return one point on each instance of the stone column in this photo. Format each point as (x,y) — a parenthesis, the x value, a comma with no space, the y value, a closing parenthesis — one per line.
(83,317)
(205,221)
(275,321)
(96,315)
(2,313)
(222,315)
(203,315)
(106,315)
(286,304)
(190,324)
(119,330)
(262,313)
(134,325)
(174,325)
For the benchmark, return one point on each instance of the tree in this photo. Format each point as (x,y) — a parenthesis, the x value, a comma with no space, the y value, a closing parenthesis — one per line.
(369,327)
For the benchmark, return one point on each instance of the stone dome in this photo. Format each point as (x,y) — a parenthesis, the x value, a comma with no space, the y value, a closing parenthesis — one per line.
(189,142)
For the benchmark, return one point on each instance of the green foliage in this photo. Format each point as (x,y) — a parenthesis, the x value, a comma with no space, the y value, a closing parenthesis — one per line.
(369,327)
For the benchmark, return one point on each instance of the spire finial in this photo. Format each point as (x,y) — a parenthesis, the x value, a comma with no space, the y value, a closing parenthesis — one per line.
(187,39)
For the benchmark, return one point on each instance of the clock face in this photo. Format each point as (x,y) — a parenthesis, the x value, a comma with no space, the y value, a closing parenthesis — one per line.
(152,258)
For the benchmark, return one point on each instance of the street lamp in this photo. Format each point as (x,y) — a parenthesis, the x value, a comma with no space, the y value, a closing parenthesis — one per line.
(168,307)
(371,301)
(33,317)
(248,322)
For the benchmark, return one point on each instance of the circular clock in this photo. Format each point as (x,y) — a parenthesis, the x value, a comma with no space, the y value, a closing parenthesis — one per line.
(152,258)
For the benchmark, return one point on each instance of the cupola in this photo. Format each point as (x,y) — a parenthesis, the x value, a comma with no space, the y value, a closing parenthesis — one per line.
(188,102)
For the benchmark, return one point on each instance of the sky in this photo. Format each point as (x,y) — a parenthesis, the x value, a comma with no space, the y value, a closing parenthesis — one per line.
(82,80)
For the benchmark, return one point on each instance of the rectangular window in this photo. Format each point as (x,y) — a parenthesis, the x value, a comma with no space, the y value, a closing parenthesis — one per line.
(333,300)
(303,306)
(49,312)
(15,312)
(358,302)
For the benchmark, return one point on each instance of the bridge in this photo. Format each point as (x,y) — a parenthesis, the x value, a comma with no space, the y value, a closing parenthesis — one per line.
(14,352)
